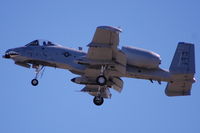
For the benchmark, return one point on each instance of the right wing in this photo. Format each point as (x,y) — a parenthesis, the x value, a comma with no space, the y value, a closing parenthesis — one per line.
(106,35)
(103,50)
(104,43)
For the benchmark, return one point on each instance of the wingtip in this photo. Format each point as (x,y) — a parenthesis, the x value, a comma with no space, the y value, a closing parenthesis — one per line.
(111,28)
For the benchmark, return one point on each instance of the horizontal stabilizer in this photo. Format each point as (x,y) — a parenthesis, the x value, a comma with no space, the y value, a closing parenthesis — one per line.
(178,89)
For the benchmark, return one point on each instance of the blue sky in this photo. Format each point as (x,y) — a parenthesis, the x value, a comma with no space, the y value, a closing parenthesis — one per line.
(55,106)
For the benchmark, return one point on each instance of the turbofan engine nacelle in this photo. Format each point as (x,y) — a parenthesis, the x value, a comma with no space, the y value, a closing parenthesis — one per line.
(141,57)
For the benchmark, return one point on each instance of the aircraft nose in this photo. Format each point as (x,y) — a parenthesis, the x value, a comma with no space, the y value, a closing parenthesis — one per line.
(6,56)
(73,80)
(10,53)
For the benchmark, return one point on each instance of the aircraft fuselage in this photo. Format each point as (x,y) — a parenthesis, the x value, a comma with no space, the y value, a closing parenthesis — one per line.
(53,56)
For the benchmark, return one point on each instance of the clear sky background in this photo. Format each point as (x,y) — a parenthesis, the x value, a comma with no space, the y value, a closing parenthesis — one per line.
(55,106)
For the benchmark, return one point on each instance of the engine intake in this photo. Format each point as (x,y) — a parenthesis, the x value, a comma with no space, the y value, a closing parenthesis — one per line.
(141,57)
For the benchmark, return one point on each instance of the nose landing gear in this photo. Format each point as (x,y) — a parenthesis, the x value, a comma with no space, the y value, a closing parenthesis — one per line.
(38,69)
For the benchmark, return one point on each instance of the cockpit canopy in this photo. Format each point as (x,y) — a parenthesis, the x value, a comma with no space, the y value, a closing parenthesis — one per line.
(41,42)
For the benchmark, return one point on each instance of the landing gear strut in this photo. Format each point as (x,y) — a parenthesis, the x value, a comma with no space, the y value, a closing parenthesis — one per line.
(98,100)
(101,79)
(38,69)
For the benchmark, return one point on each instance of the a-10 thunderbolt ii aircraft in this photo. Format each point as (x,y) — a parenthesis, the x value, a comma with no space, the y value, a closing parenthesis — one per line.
(103,65)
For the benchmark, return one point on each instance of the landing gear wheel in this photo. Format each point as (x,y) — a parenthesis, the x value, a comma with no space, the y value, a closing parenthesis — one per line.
(98,100)
(101,80)
(34,82)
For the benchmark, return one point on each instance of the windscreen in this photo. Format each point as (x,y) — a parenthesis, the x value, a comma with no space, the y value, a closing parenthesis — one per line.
(41,42)
(33,43)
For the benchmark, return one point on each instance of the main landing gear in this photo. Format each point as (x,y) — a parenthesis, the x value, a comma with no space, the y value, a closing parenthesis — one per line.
(101,81)
(38,69)
(98,100)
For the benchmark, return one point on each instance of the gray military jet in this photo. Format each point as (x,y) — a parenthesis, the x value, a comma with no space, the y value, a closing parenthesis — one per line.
(102,67)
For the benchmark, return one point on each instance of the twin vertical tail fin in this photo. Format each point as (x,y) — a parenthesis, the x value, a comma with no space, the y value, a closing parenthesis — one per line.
(182,70)
(184,60)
